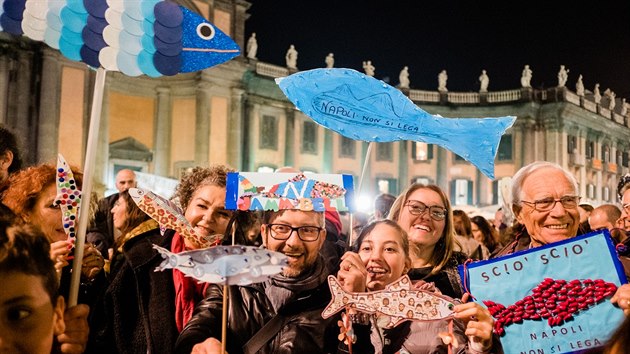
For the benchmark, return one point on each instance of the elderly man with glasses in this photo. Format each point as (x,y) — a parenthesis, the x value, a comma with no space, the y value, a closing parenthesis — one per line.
(282,314)
(545,201)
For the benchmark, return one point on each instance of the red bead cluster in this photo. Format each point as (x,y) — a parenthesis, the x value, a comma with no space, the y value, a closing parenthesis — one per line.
(553,300)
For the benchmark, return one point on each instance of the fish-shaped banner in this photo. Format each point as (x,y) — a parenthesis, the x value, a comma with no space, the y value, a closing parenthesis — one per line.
(361,107)
(276,191)
(170,216)
(554,298)
(225,265)
(397,303)
(68,197)
(135,37)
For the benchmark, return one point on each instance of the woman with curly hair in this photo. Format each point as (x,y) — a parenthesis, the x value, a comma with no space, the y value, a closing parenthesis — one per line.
(143,311)
(30,195)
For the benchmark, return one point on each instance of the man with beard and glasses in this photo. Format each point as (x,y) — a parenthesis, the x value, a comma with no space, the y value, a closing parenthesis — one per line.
(282,314)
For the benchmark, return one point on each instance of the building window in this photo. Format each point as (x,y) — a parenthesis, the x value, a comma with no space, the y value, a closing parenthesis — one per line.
(269,133)
(422,180)
(387,185)
(461,192)
(606,194)
(590,191)
(624,158)
(505,148)
(605,154)
(619,157)
(384,152)
(421,151)
(590,149)
(571,144)
(457,158)
(222,19)
(309,137)
(348,147)
(265,169)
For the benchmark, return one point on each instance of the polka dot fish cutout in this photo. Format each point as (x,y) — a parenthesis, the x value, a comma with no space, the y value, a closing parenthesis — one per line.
(136,37)
(68,197)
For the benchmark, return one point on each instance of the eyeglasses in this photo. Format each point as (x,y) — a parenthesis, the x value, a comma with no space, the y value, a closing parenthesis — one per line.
(568,202)
(436,212)
(305,233)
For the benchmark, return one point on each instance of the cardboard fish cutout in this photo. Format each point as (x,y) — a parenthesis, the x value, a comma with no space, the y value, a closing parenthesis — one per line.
(360,107)
(151,37)
(170,216)
(226,265)
(68,197)
(276,191)
(553,298)
(397,303)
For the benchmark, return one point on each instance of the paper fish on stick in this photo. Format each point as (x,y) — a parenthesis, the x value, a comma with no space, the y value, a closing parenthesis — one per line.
(151,37)
(360,107)
(170,216)
(555,301)
(68,197)
(226,265)
(397,303)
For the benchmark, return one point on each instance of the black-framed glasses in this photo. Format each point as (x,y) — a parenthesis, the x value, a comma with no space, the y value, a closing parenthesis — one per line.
(436,212)
(546,204)
(305,233)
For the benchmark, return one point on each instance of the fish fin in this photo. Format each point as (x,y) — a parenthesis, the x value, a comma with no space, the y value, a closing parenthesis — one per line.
(336,301)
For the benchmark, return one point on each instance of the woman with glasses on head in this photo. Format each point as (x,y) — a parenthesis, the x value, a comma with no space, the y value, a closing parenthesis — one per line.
(425,213)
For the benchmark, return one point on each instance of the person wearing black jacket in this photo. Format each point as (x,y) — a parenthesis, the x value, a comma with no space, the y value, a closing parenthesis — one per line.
(282,314)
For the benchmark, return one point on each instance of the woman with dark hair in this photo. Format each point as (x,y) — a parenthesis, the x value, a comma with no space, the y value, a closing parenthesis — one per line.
(425,213)
(143,311)
(463,234)
(484,233)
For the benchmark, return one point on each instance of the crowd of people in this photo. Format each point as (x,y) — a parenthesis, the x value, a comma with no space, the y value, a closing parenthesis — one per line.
(125,306)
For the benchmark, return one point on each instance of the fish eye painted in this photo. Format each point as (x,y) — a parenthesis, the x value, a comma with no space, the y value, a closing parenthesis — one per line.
(205,31)
(450,306)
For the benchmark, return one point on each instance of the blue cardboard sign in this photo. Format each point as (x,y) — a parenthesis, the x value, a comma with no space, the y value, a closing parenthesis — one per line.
(554,298)
(361,107)
(276,191)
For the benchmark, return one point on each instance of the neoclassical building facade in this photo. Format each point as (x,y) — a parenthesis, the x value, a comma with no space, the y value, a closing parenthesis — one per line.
(235,114)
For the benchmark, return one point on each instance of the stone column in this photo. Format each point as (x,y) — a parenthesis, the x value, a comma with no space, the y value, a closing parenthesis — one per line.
(441,174)
(4,88)
(529,130)
(582,153)
(22,102)
(327,151)
(162,141)
(598,174)
(202,125)
(403,166)
(101,165)
(235,130)
(48,133)
(250,116)
(289,150)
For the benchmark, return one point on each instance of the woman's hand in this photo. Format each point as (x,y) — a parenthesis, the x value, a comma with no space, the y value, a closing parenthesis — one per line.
(622,298)
(59,254)
(479,324)
(93,262)
(352,273)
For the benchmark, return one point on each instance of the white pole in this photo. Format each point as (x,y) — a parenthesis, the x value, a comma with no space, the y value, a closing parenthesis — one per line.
(365,164)
(88,167)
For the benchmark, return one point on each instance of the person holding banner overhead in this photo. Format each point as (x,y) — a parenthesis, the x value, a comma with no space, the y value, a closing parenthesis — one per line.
(382,258)
(545,200)
(425,213)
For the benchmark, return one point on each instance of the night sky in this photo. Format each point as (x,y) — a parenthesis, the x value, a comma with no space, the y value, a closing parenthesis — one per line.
(462,37)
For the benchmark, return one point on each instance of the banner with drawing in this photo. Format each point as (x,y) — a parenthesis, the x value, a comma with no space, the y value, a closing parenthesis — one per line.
(554,298)
(276,191)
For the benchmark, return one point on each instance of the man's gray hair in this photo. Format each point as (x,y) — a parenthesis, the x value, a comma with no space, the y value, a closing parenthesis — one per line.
(519,178)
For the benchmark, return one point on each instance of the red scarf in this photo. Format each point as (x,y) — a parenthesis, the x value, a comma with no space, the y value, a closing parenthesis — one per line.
(188,292)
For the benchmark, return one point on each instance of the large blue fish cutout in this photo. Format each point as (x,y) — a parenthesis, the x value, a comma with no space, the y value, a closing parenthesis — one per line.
(360,107)
(135,37)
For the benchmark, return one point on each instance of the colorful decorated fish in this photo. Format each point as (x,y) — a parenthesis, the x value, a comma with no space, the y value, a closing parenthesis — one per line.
(360,107)
(151,37)
(554,300)
(397,303)
(170,216)
(68,197)
(227,265)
